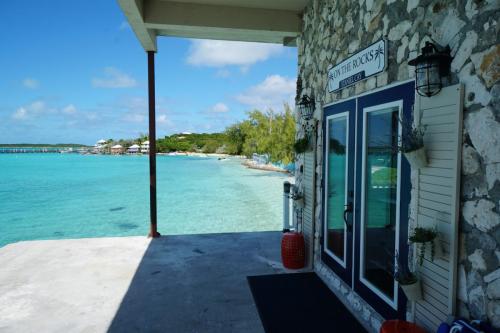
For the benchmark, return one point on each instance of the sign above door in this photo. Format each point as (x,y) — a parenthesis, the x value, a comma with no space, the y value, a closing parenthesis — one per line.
(360,66)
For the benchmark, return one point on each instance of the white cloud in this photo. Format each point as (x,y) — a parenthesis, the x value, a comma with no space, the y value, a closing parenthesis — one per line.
(217,53)
(31,83)
(40,107)
(69,109)
(114,78)
(270,93)
(162,119)
(220,108)
(35,108)
(20,114)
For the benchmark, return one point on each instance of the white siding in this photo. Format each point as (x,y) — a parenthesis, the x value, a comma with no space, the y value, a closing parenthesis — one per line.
(438,202)
(309,201)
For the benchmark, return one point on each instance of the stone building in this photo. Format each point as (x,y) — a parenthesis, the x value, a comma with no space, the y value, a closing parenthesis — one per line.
(334,30)
(362,198)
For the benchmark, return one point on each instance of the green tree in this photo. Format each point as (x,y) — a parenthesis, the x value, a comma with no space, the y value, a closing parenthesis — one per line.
(211,146)
(282,137)
(235,139)
(264,133)
(269,132)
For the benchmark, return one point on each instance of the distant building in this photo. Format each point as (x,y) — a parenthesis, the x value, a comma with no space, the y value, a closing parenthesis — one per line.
(134,149)
(145,147)
(99,147)
(117,149)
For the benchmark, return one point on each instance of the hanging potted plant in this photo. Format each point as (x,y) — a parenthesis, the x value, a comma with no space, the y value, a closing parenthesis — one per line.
(301,145)
(422,237)
(408,281)
(411,144)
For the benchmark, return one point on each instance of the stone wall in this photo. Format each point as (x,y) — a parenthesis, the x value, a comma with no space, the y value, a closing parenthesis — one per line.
(332,30)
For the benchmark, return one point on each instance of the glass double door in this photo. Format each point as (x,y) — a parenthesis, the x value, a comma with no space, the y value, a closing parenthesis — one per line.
(366,193)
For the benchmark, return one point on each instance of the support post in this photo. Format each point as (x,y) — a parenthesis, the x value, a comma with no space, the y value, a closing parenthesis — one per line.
(152,145)
(286,206)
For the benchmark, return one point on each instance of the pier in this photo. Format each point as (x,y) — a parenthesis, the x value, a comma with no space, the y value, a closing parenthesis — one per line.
(38,150)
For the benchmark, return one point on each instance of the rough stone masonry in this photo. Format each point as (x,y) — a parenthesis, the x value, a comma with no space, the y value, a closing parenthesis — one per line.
(332,30)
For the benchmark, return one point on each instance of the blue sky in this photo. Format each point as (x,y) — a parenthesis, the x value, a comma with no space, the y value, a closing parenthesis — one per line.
(73,71)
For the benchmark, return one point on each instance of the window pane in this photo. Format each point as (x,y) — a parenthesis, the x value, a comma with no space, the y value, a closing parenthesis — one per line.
(337,159)
(380,198)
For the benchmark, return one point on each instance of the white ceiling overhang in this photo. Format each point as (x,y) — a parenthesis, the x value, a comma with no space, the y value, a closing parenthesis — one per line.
(269,21)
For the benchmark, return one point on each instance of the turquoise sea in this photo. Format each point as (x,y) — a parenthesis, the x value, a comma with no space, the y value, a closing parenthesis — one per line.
(53,196)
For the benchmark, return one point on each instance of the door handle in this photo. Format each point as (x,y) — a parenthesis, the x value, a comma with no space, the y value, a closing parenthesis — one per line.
(347,210)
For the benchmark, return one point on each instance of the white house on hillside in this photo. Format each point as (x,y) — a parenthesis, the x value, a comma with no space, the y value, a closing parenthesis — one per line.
(145,147)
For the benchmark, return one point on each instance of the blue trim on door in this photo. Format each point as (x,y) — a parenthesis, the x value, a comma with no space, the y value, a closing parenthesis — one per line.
(350,107)
(403,92)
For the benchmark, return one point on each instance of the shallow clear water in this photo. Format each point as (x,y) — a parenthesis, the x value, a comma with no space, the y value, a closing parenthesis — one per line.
(51,196)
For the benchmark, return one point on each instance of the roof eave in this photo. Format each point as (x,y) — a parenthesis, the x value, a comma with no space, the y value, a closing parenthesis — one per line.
(152,18)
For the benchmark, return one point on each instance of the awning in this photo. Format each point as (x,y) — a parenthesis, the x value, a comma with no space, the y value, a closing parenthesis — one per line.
(277,21)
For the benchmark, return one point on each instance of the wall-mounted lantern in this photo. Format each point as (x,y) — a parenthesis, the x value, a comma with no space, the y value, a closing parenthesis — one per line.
(431,66)
(306,107)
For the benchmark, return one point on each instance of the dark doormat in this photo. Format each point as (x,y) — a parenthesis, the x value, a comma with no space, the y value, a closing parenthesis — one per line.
(302,303)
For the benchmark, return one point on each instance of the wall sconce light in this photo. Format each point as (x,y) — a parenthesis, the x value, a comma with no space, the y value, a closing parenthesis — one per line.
(306,107)
(430,67)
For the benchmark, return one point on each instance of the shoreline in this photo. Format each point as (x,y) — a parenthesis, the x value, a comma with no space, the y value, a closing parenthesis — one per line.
(195,154)
(264,167)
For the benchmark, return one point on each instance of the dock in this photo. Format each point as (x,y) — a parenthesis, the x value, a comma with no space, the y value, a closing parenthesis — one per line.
(189,283)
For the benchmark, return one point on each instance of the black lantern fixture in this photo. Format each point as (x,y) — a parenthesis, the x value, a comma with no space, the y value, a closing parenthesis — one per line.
(306,107)
(430,67)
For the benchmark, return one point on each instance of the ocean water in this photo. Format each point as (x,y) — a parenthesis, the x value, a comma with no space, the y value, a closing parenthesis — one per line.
(53,196)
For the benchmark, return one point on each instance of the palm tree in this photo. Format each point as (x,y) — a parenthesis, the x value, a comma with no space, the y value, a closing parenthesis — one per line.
(378,54)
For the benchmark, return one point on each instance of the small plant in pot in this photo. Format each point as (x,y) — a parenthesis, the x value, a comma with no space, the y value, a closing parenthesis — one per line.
(408,280)
(411,143)
(422,237)
(301,145)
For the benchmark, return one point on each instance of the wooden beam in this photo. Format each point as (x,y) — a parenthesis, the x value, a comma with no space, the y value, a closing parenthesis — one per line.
(152,145)
(133,10)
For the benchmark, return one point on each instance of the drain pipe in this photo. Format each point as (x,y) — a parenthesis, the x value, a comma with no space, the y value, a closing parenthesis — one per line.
(286,206)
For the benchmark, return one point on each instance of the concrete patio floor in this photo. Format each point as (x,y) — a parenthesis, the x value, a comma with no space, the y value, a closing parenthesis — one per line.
(191,283)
